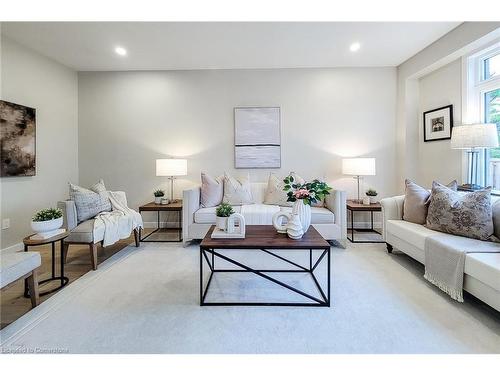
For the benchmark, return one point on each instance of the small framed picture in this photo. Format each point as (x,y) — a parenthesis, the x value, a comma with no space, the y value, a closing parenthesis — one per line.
(438,123)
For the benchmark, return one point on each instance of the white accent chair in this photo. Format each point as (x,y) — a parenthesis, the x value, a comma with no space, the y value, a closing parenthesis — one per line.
(330,220)
(482,270)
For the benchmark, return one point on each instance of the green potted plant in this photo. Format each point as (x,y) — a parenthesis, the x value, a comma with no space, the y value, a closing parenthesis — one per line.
(223,212)
(158,195)
(371,194)
(47,220)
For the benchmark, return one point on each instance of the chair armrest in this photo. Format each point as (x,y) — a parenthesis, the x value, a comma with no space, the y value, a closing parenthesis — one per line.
(190,204)
(336,202)
(392,209)
(68,208)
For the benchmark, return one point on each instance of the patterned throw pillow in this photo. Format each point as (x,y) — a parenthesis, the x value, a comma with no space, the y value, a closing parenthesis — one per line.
(89,202)
(467,215)
(275,194)
(212,190)
(417,201)
(237,191)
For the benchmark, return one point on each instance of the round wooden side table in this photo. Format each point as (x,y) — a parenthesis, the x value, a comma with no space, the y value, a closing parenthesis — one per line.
(28,241)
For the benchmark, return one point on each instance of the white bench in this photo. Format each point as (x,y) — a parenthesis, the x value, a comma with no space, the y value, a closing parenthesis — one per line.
(21,265)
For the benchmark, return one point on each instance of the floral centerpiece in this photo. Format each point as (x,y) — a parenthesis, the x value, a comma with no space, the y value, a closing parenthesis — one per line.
(303,195)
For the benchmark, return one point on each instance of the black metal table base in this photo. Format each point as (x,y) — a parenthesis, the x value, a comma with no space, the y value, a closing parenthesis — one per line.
(366,230)
(158,229)
(209,256)
(63,279)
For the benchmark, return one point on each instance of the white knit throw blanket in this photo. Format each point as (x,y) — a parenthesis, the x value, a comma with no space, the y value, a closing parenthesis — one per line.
(445,261)
(120,222)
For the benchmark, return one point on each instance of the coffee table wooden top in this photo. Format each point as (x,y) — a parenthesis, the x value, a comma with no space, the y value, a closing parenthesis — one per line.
(265,237)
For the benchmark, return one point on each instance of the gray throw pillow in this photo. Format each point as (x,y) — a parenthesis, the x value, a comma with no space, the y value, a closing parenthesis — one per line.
(89,202)
(467,215)
(416,201)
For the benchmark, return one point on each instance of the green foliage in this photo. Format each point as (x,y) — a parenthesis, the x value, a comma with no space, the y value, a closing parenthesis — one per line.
(371,192)
(48,214)
(316,189)
(224,210)
(158,193)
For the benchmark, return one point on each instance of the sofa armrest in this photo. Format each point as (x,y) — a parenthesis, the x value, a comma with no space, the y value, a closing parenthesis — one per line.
(190,204)
(68,208)
(336,202)
(392,209)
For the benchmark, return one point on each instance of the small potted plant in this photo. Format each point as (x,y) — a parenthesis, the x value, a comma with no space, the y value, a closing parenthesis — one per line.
(223,212)
(47,220)
(371,194)
(158,195)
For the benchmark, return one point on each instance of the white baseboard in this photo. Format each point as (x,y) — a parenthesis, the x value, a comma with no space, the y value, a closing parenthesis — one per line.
(12,249)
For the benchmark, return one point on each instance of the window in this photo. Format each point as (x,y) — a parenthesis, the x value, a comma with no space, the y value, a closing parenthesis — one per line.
(482,105)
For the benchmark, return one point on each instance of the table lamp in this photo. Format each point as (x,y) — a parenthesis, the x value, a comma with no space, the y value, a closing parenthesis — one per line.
(472,138)
(358,167)
(171,168)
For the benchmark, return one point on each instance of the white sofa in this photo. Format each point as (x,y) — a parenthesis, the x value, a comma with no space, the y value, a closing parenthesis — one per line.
(329,221)
(482,270)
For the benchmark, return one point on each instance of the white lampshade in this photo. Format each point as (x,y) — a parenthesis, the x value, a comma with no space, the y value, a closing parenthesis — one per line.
(475,135)
(359,166)
(171,167)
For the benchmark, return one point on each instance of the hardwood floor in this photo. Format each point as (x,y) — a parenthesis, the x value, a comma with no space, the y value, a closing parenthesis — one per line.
(12,302)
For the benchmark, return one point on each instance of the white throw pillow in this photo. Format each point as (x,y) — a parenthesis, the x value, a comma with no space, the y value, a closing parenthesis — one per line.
(212,190)
(89,202)
(275,194)
(237,191)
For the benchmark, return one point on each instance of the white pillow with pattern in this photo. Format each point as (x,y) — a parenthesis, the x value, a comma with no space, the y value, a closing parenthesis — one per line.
(89,202)
(237,191)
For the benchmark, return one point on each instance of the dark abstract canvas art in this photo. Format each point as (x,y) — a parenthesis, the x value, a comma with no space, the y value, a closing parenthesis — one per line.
(17,139)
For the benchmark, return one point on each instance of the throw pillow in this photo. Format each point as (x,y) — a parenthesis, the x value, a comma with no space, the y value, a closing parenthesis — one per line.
(416,201)
(89,202)
(467,215)
(237,191)
(212,190)
(275,194)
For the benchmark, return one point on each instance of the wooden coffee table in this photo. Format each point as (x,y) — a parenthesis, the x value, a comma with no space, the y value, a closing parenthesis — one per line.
(263,239)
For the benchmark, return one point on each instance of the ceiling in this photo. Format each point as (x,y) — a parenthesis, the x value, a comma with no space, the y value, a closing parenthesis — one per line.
(216,45)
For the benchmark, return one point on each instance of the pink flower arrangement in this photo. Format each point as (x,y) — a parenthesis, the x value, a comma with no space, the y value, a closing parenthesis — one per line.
(301,193)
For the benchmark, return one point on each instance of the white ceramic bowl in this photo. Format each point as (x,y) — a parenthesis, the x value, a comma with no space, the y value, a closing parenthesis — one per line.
(46,226)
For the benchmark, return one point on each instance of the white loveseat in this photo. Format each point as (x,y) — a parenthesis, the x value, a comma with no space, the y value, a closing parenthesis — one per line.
(482,270)
(329,221)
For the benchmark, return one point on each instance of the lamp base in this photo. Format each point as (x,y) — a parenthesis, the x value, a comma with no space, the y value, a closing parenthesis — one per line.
(469,187)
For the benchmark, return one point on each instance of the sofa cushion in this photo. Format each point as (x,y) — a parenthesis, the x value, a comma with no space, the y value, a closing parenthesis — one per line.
(484,267)
(14,265)
(86,233)
(319,215)
(206,215)
(89,202)
(275,194)
(410,232)
(467,215)
(212,190)
(237,191)
(259,214)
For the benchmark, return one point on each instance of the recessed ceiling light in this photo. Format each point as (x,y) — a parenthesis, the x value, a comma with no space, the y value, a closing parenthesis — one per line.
(121,51)
(355,46)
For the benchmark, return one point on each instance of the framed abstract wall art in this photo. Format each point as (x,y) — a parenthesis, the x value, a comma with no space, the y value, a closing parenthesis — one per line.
(17,140)
(257,137)
(438,123)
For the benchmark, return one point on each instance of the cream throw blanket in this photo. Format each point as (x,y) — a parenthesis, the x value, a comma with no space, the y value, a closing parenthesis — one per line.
(445,260)
(120,222)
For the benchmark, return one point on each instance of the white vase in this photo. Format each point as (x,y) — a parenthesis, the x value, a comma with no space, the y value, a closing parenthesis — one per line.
(157,200)
(221,222)
(294,227)
(304,212)
(47,225)
(366,201)
(373,199)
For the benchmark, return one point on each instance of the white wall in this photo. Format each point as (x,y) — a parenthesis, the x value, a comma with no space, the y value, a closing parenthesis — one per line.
(128,119)
(460,41)
(436,160)
(33,80)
